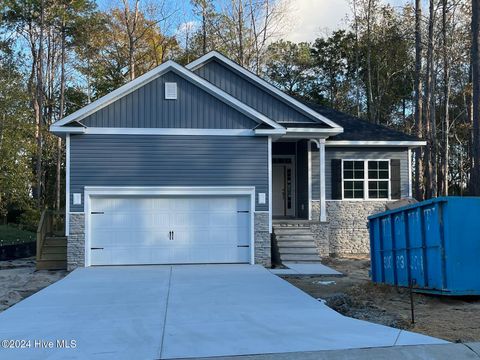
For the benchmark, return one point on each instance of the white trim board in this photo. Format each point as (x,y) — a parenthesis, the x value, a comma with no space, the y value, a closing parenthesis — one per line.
(297,104)
(155,73)
(67,185)
(411,144)
(90,191)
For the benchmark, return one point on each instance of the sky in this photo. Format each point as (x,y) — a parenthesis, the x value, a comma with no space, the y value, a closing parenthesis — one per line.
(308,18)
(312,18)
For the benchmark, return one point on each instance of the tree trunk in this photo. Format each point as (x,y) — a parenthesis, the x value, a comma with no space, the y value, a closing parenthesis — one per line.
(428,168)
(475,172)
(370,110)
(419,193)
(58,176)
(446,101)
(38,109)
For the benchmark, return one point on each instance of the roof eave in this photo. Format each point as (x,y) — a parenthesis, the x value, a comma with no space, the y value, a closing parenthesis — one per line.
(377,143)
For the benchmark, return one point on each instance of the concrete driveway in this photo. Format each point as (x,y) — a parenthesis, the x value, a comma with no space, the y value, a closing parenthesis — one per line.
(153,312)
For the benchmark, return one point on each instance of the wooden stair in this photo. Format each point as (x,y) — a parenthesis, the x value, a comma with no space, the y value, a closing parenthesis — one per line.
(295,242)
(51,242)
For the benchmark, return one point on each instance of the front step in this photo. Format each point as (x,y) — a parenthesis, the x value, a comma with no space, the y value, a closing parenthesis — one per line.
(53,254)
(51,264)
(295,242)
(300,258)
(284,251)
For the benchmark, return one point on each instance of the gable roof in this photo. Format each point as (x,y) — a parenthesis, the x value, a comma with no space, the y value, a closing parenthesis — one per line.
(359,131)
(214,55)
(66,124)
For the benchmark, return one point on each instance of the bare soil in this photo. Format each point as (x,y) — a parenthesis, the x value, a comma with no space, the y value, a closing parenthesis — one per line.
(454,319)
(19,279)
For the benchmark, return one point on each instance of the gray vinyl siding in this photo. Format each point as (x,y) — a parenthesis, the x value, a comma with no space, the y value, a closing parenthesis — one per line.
(355,153)
(240,87)
(147,107)
(148,160)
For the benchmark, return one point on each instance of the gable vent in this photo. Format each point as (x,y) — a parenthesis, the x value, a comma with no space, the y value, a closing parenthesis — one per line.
(170,91)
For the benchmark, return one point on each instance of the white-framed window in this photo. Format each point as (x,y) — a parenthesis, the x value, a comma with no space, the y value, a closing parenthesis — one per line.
(365,179)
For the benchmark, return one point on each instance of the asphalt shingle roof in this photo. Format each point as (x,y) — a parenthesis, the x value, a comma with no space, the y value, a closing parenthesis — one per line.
(355,129)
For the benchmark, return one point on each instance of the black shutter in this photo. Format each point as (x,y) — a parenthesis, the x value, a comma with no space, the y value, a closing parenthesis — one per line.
(336,179)
(395,178)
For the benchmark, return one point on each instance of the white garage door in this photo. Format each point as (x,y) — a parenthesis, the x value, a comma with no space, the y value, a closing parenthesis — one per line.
(169,230)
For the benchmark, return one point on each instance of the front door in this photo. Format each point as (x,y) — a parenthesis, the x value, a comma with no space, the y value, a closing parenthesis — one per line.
(283,187)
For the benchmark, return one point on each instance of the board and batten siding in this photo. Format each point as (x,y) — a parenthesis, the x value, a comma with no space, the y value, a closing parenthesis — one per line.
(150,160)
(355,153)
(242,88)
(147,107)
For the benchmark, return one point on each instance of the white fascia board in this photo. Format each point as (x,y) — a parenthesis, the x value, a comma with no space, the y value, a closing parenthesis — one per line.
(270,131)
(411,144)
(214,54)
(158,71)
(67,129)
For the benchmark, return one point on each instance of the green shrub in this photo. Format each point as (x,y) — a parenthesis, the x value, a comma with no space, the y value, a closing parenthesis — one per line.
(29,219)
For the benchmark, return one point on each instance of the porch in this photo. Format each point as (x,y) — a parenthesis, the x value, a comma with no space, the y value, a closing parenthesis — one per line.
(296,182)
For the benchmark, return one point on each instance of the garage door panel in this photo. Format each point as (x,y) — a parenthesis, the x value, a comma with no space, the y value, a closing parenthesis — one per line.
(136,230)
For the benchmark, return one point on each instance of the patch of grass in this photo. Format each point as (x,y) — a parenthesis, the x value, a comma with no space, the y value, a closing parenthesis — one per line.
(13,235)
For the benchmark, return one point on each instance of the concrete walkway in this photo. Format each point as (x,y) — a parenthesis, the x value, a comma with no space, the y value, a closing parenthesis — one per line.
(168,312)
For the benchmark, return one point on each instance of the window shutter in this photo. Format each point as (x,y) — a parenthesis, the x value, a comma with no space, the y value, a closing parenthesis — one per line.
(395,179)
(336,165)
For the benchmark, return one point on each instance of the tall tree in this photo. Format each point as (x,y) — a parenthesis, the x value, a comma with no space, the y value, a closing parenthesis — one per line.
(418,100)
(475,172)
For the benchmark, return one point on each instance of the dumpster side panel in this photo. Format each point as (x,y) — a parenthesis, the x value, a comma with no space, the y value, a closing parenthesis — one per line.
(400,240)
(388,253)
(433,242)
(462,249)
(376,251)
(416,241)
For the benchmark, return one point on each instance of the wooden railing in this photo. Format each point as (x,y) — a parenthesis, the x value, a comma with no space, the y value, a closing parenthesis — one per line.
(51,223)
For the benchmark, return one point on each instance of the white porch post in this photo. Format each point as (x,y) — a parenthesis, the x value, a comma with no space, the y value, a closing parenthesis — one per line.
(321,150)
(323,205)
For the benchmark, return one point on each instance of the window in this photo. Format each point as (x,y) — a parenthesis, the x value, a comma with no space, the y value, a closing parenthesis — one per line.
(366,179)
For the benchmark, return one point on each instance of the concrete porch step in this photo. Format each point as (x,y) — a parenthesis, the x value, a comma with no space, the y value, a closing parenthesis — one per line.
(300,258)
(295,243)
(306,237)
(297,251)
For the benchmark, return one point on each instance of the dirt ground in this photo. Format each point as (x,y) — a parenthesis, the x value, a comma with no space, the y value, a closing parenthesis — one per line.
(452,319)
(19,279)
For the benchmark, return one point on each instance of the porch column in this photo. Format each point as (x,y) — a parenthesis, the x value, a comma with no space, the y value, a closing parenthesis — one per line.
(321,150)
(323,205)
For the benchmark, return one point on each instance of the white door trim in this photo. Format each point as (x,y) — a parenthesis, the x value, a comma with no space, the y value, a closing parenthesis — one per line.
(167,191)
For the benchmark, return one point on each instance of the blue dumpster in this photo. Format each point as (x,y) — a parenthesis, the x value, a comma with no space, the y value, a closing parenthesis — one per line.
(434,244)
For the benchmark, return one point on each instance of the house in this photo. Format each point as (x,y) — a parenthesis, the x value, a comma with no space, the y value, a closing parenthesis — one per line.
(193,164)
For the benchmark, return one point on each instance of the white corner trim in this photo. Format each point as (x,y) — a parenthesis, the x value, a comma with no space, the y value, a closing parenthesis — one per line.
(155,73)
(375,143)
(410,182)
(270,184)
(309,154)
(323,205)
(67,185)
(91,191)
(214,54)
